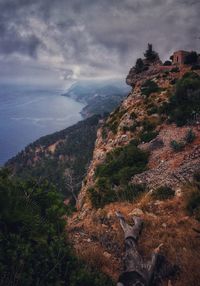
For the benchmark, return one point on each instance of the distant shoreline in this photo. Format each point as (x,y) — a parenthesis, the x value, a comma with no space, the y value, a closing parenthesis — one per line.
(32,119)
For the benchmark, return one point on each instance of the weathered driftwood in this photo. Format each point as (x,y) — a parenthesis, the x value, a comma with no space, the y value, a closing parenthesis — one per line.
(137,271)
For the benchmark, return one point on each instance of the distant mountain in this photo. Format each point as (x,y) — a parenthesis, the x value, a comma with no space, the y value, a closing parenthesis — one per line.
(99,96)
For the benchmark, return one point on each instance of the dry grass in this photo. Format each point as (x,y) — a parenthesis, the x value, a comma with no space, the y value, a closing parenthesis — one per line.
(144,201)
(166,222)
(181,245)
(94,256)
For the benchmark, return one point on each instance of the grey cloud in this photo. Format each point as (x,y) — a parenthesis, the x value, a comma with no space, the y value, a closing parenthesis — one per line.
(101,37)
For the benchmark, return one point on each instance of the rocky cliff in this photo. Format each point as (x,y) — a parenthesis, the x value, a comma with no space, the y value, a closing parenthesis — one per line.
(152,122)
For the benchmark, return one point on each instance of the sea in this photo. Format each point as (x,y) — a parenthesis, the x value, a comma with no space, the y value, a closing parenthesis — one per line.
(27,113)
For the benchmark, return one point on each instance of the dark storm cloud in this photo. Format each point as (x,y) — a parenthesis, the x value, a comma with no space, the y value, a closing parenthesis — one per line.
(86,38)
(12,42)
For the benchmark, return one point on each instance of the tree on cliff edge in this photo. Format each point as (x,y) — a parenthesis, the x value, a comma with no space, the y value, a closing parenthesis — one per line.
(150,54)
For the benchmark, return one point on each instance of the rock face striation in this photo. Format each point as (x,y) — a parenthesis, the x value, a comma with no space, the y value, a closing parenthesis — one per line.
(173,161)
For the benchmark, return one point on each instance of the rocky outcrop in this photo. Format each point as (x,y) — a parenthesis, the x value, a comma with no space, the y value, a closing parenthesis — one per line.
(167,221)
(165,166)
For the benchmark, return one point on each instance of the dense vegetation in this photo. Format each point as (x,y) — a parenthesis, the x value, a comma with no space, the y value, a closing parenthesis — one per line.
(184,105)
(150,54)
(67,165)
(193,198)
(149,87)
(140,66)
(112,177)
(113,122)
(191,58)
(34,249)
(163,193)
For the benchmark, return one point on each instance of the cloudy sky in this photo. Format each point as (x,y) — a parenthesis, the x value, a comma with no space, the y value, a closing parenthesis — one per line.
(57,41)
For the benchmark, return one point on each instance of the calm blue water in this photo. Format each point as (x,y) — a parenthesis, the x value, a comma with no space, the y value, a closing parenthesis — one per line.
(27,114)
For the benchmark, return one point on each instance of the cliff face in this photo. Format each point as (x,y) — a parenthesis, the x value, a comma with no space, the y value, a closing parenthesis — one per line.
(174,157)
(165,167)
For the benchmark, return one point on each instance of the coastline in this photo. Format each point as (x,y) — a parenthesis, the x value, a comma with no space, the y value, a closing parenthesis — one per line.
(24,124)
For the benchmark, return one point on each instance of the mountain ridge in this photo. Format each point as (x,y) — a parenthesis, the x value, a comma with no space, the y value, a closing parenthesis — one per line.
(99,96)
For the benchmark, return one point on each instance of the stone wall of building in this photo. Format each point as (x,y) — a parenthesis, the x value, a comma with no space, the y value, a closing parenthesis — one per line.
(179,57)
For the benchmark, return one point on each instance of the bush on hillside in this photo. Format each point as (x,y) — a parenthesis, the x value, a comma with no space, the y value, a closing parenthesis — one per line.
(113,176)
(114,119)
(185,102)
(195,67)
(147,136)
(177,146)
(193,197)
(121,164)
(152,110)
(163,193)
(150,54)
(148,87)
(34,249)
(175,70)
(190,136)
(148,125)
(101,196)
(140,66)
(167,63)
(130,128)
(191,58)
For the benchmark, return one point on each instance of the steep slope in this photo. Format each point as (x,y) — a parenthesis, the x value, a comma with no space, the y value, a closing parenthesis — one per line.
(61,158)
(143,118)
(157,122)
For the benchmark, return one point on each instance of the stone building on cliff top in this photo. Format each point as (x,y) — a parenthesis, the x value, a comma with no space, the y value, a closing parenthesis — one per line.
(178,57)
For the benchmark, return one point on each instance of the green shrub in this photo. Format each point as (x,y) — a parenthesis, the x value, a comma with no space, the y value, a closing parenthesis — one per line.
(190,136)
(193,197)
(113,122)
(186,100)
(163,193)
(135,142)
(191,58)
(197,178)
(133,115)
(195,67)
(177,146)
(100,197)
(104,133)
(167,63)
(139,66)
(175,69)
(173,81)
(148,136)
(115,173)
(34,249)
(150,54)
(148,125)
(131,192)
(152,110)
(122,163)
(193,204)
(131,128)
(95,197)
(148,87)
